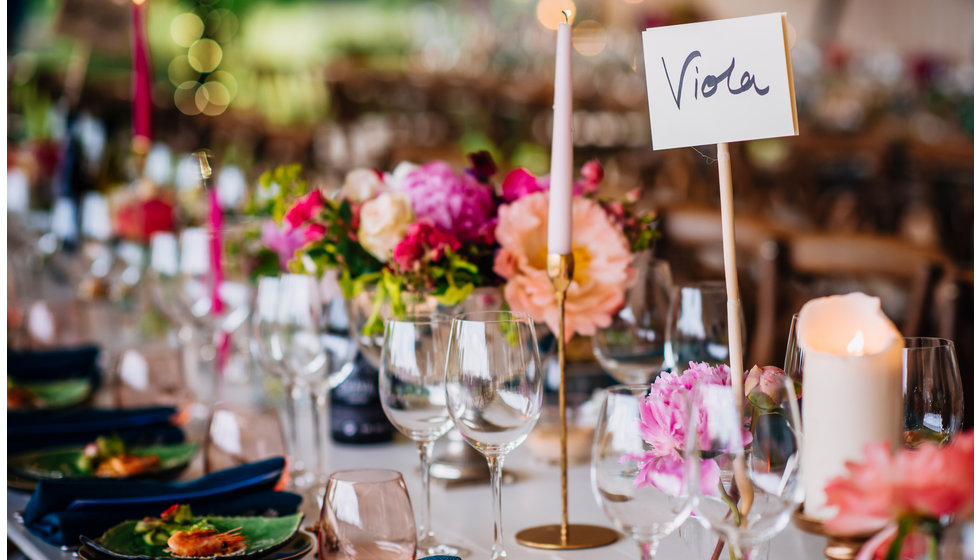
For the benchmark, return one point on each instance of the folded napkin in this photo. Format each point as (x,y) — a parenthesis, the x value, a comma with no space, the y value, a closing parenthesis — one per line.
(53,365)
(60,511)
(27,431)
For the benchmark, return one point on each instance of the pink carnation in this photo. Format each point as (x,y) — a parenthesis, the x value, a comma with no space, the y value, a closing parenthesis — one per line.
(455,203)
(602,264)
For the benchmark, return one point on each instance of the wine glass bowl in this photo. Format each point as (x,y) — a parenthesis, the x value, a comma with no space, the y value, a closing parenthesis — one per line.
(698,325)
(631,348)
(371,515)
(645,512)
(933,390)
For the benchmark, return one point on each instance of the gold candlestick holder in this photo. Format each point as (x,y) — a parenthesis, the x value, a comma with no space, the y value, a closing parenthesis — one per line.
(564,536)
(839,547)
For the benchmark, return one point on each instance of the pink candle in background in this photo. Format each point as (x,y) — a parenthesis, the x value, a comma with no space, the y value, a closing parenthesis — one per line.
(560,197)
(142,103)
(214,224)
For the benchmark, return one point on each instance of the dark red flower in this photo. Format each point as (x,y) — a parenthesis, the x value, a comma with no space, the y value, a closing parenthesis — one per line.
(482,165)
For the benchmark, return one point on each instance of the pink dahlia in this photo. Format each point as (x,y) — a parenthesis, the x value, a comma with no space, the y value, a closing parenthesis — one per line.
(602,264)
(456,203)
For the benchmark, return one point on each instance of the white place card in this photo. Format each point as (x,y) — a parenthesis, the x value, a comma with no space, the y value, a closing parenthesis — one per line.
(719,81)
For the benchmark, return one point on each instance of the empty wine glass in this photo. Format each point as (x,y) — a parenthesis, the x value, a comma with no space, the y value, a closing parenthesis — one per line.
(371,515)
(240,433)
(644,511)
(494,388)
(149,374)
(765,438)
(793,363)
(412,383)
(933,390)
(631,348)
(697,325)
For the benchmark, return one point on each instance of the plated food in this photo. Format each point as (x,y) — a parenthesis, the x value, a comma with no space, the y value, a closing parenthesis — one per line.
(178,533)
(106,457)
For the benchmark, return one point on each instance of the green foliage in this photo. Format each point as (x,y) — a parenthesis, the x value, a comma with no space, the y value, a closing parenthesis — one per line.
(280,187)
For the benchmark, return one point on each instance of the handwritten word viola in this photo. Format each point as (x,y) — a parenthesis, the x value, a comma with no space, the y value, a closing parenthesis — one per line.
(710,82)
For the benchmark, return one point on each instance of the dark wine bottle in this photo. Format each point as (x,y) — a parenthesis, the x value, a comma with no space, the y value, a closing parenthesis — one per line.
(356,415)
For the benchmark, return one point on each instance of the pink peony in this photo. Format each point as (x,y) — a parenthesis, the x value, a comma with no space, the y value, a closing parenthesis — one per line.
(663,425)
(456,203)
(304,209)
(602,264)
(764,386)
(929,481)
(285,241)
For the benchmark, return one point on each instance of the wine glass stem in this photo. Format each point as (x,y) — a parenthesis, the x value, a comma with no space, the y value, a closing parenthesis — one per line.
(648,548)
(322,420)
(496,464)
(425,533)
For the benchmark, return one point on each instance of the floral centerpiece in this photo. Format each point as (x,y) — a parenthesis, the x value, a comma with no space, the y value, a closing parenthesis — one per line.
(430,230)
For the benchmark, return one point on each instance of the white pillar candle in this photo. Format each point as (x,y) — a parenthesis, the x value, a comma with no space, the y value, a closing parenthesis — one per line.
(852,387)
(560,196)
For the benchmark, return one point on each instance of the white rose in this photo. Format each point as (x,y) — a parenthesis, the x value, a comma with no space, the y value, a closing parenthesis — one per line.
(362,184)
(384,221)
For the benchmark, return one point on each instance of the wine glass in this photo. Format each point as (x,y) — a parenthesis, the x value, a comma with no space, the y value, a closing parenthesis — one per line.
(645,512)
(371,515)
(412,382)
(697,325)
(631,348)
(310,365)
(149,374)
(743,463)
(494,389)
(239,433)
(933,390)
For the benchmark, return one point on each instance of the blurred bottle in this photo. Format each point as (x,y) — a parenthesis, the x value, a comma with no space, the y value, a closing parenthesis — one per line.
(356,415)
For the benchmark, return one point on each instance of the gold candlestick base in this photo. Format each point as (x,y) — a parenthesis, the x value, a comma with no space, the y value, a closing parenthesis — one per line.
(839,547)
(563,536)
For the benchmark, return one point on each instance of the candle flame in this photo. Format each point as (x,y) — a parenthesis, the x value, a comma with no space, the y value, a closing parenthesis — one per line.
(567,14)
(856,346)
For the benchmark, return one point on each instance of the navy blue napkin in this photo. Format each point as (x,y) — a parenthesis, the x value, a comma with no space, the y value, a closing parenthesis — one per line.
(53,365)
(30,430)
(60,511)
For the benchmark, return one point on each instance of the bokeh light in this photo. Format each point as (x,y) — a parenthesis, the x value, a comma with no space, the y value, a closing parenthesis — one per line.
(226,79)
(184,98)
(550,12)
(212,98)
(186,28)
(204,55)
(589,37)
(180,71)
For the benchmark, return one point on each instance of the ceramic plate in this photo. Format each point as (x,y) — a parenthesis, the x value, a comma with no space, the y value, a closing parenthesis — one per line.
(265,535)
(61,462)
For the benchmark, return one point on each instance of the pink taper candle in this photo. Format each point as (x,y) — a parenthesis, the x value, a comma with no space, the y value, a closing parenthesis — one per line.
(560,197)
(142,104)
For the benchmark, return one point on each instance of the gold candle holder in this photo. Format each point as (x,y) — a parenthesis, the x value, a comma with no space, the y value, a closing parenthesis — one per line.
(839,547)
(564,536)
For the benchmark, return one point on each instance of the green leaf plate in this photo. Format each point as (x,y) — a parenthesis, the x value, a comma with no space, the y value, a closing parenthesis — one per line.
(265,535)
(61,462)
(62,393)
(297,547)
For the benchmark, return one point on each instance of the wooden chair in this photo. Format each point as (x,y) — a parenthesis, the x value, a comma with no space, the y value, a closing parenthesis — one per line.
(691,242)
(904,276)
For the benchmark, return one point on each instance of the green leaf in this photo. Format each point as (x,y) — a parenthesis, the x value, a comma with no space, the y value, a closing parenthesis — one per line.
(61,393)
(63,462)
(263,535)
(454,295)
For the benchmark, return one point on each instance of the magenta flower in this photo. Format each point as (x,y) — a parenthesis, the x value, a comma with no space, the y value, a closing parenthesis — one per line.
(457,204)
(285,241)
(421,241)
(663,425)
(304,209)
(520,183)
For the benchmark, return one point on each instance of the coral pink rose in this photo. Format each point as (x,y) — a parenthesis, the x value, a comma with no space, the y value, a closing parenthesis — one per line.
(602,264)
